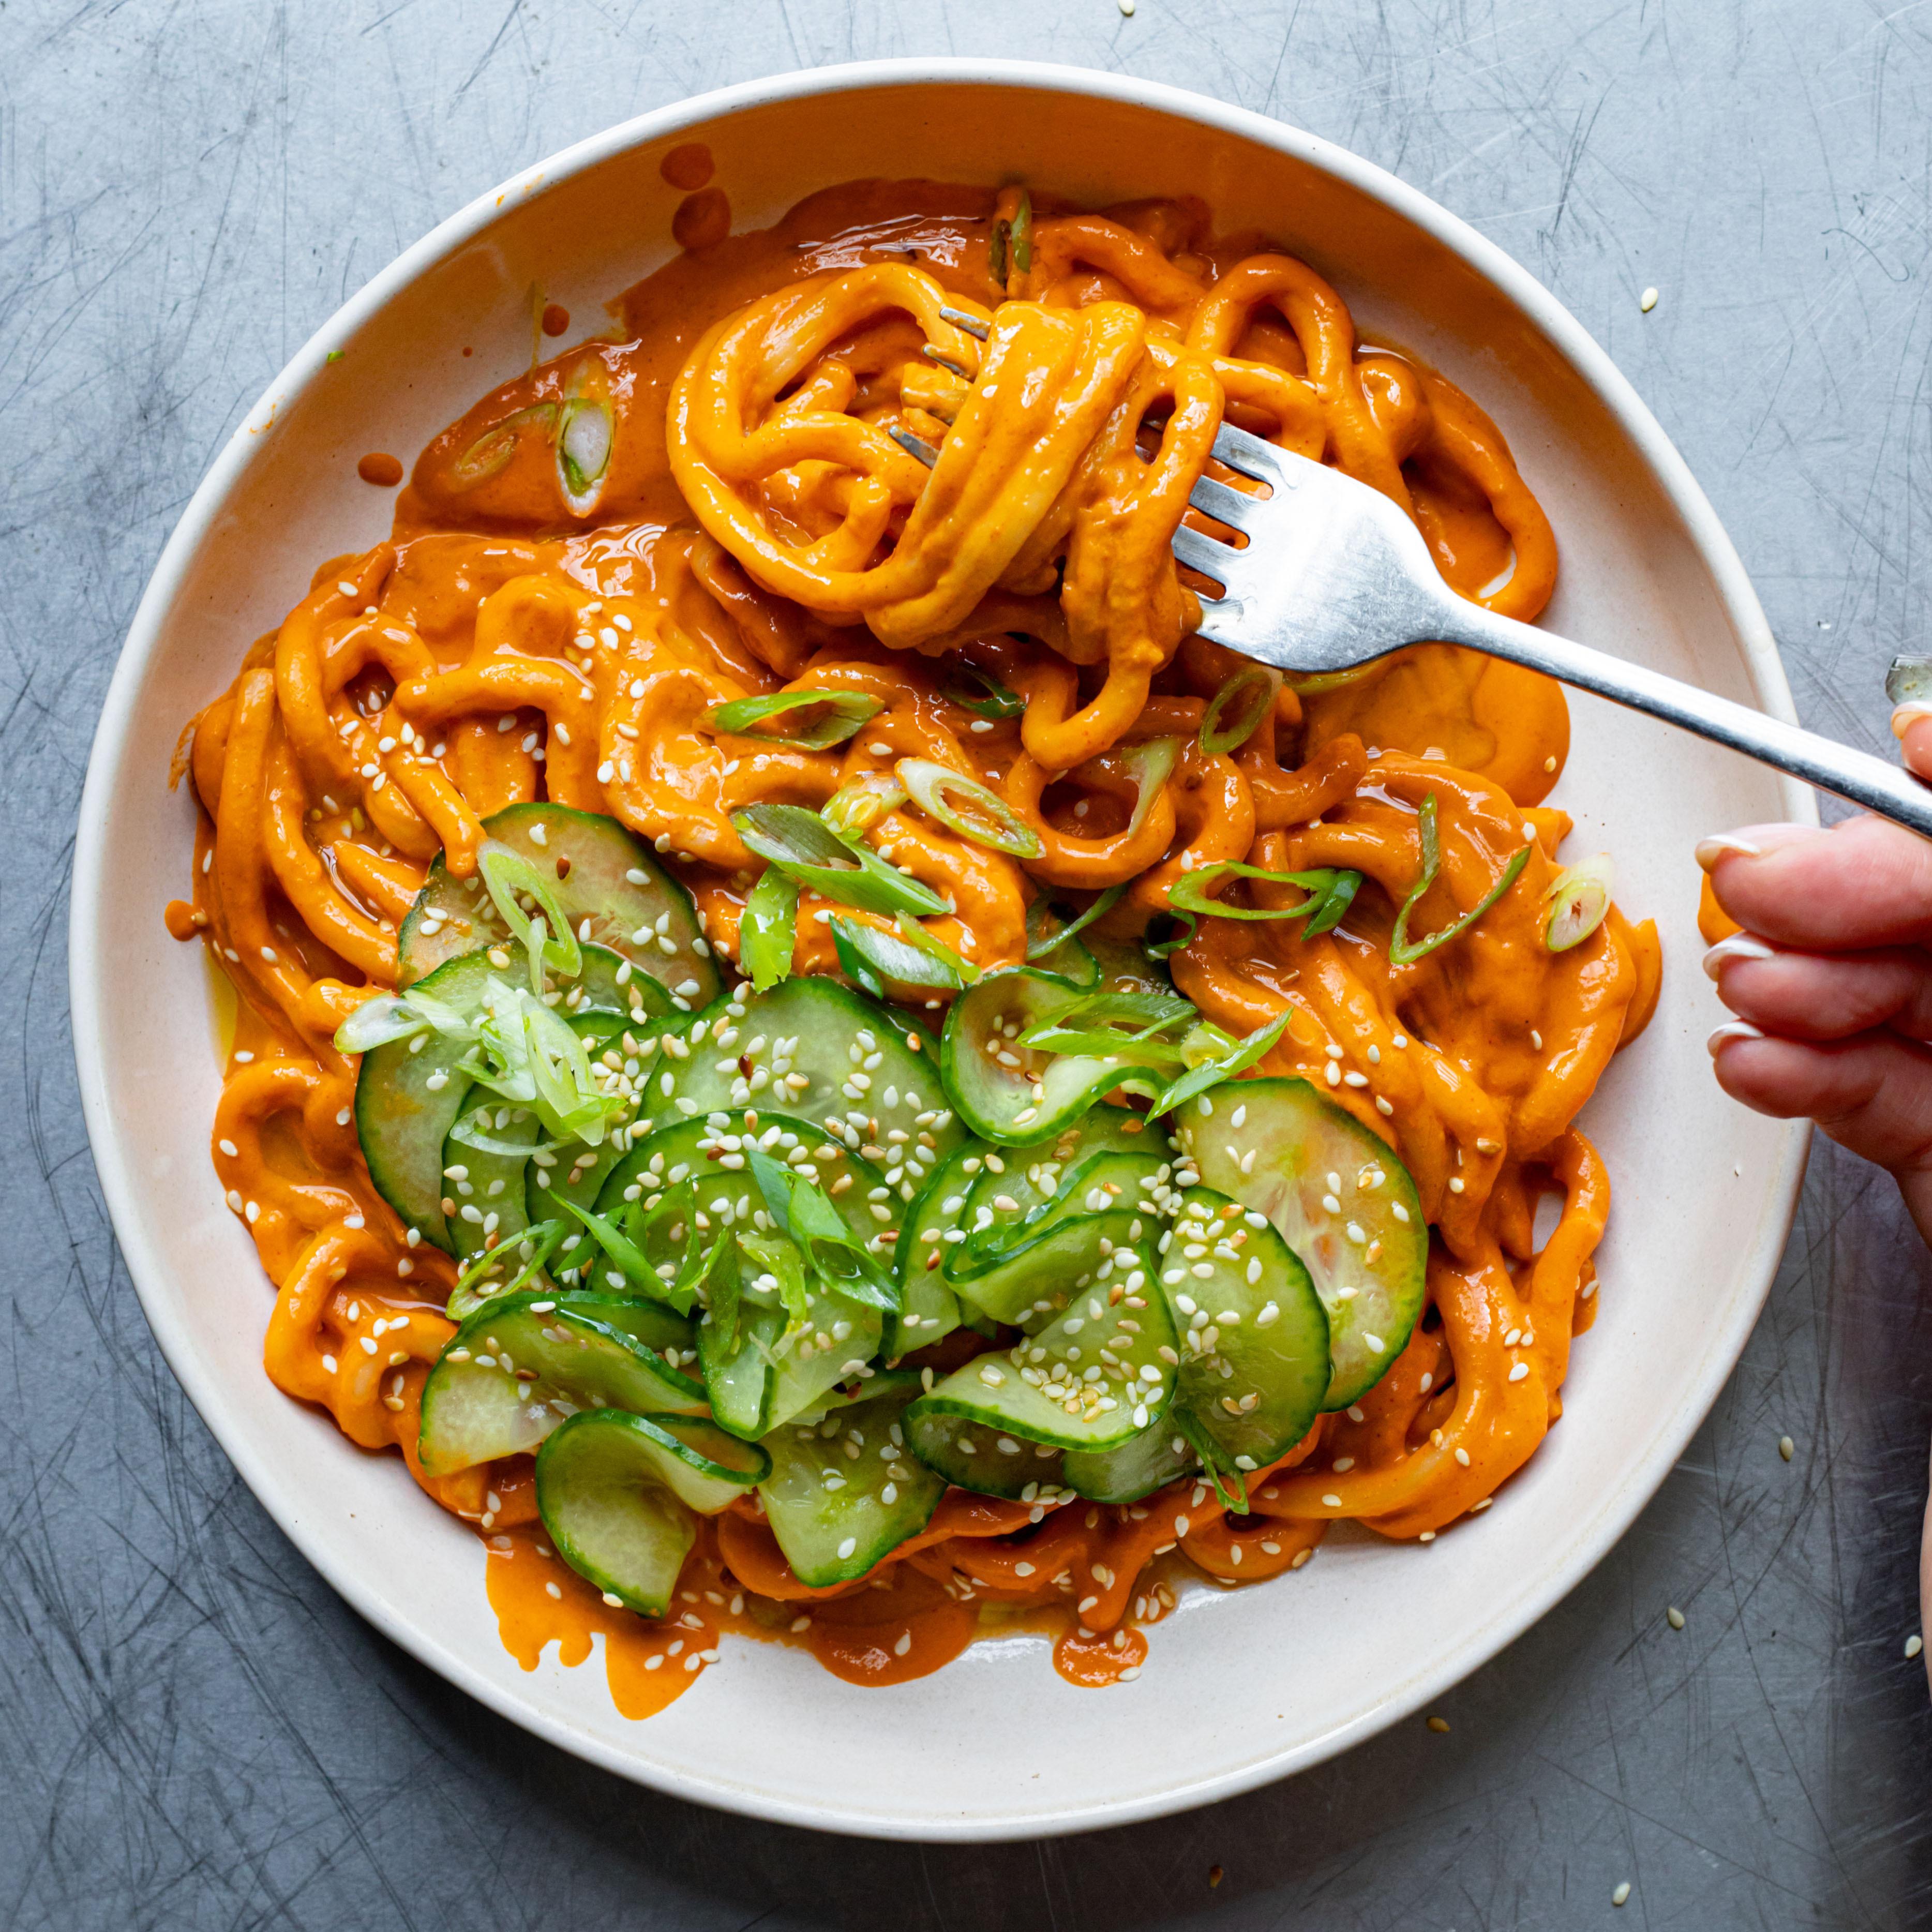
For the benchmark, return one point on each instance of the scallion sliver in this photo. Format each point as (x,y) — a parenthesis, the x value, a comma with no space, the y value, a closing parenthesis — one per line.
(846,711)
(803,847)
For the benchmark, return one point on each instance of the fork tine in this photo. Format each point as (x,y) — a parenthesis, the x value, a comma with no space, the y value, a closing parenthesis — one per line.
(1220,561)
(1224,504)
(1249,454)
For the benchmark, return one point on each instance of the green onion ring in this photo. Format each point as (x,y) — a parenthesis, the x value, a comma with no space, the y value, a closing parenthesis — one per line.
(929,785)
(1250,693)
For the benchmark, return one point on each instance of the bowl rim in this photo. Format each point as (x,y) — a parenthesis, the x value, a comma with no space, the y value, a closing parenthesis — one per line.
(148,1268)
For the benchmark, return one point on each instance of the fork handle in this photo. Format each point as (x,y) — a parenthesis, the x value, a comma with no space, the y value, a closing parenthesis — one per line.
(1856,775)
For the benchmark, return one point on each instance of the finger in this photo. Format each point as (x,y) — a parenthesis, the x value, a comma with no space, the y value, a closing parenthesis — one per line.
(1867,883)
(1873,1094)
(1912,726)
(1821,996)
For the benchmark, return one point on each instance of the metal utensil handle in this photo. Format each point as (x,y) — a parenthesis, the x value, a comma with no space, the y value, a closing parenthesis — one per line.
(1856,775)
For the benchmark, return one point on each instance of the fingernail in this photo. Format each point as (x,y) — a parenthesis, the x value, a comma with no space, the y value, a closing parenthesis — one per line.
(1710,851)
(1907,715)
(1739,946)
(1732,1030)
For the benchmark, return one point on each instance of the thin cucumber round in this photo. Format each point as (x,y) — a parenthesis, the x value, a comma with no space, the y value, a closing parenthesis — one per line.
(1029,1280)
(990,1461)
(1015,1186)
(408,1095)
(1254,1338)
(1159,1455)
(488,1186)
(817,1051)
(1093,1367)
(1342,1201)
(608,882)
(768,1370)
(512,1373)
(700,1463)
(1097,1184)
(1015,1095)
(608,1511)
(844,1492)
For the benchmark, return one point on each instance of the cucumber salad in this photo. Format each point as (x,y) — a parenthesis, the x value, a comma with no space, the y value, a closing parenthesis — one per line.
(721,1239)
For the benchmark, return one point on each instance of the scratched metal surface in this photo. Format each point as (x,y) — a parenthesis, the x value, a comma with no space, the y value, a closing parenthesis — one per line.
(195,1733)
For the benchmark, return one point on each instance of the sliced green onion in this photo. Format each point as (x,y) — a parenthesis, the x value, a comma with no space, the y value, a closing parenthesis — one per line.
(1150,766)
(804,846)
(542,1238)
(806,1217)
(1213,1072)
(991,699)
(859,806)
(780,1258)
(1041,941)
(871,958)
(618,1247)
(1576,902)
(1337,901)
(377,1022)
(586,430)
(1022,242)
(466,1131)
(768,929)
(1202,1045)
(550,941)
(493,450)
(845,712)
(1236,711)
(1402,950)
(964,805)
(1188,893)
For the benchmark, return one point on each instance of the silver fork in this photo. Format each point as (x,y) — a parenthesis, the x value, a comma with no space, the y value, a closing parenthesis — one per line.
(1335,575)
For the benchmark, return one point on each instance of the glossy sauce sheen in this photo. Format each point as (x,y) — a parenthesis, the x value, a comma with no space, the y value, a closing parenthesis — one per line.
(513,641)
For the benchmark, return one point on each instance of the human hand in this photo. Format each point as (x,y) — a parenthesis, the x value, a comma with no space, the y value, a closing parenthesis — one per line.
(1831,982)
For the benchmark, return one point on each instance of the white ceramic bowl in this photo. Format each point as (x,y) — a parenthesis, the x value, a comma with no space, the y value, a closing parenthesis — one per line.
(1242,1687)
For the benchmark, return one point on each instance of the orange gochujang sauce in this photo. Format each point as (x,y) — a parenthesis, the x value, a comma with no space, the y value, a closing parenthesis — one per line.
(530,632)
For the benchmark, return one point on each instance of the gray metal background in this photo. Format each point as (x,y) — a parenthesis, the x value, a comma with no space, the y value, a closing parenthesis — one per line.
(195,1733)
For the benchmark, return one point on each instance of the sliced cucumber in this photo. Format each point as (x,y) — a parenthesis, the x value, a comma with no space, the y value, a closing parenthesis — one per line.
(1254,1339)
(608,883)
(408,1095)
(697,1461)
(770,1372)
(1062,1253)
(1027,1093)
(607,1508)
(813,1049)
(934,1224)
(991,1462)
(1159,1455)
(713,1155)
(845,1492)
(1015,1185)
(1098,1184)
(1342,1201)
(1041,1390)
(410,1091)
(512,1373)
(487,1187)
